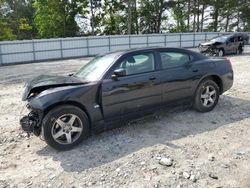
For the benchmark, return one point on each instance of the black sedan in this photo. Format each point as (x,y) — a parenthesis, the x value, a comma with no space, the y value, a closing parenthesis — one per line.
(120,85)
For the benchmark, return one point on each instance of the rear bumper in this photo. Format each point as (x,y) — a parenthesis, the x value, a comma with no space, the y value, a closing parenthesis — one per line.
(227,80)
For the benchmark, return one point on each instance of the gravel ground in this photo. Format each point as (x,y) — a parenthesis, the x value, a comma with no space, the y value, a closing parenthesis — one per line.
(171,148)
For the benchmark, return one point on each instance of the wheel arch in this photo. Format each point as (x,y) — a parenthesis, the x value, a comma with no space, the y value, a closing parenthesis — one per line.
(216,79)
(73,103)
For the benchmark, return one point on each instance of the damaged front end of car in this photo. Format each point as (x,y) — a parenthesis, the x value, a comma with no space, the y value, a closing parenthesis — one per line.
(31,123)
(211,49)
(34,93)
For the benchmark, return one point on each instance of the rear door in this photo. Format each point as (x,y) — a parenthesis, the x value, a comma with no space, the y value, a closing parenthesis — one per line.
(230,45)
(177,75)
(138,90)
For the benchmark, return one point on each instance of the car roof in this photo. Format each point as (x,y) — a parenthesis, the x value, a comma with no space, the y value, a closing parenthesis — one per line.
(129,50)
(234,34)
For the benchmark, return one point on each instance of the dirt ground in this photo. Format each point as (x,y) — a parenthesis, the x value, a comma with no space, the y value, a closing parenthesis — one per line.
(205,150)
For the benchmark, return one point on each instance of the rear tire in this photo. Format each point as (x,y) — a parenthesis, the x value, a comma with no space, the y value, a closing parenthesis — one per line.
(206,96)
(240,50)
(65,127)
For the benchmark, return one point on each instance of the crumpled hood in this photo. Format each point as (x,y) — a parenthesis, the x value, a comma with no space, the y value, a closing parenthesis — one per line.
(208,43)
(43,82)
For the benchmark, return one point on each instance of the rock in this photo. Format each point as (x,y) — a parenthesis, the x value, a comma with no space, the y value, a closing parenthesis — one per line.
(142,163)
(153,168)
(240,153)
(186,175)
(118,170)
(166,161)
(225,166)
(211,157)
(158,158)
(89,183)
(179,185)
(29,183)
(52,176)
(12,140)
(5,140)
(213,176)
(193,178)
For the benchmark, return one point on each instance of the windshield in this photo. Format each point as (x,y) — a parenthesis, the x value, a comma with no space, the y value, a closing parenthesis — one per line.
(220,39)
(95,69)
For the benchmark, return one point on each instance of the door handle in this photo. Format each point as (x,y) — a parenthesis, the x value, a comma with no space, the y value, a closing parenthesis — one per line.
(152,78)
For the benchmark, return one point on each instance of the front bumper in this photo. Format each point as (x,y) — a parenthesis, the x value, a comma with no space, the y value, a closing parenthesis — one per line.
(31,123)
(208,50)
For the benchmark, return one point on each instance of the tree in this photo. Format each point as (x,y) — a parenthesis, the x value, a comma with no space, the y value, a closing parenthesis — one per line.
(6,32)
(55,18)
(18,15)
(151,15)
(179,15)
(113,18)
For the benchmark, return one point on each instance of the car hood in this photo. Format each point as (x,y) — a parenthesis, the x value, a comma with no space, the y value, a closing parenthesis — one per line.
(44,82)
(208,43)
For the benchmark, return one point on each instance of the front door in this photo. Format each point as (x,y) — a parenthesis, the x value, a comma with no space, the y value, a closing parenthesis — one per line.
(137,90)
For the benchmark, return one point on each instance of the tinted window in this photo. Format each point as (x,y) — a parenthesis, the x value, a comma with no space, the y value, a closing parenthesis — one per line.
(173,59)
(231,39)
(137,64)
(94,69)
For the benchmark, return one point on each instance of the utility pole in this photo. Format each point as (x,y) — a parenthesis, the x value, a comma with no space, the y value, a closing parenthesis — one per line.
(129,17)
(92,18)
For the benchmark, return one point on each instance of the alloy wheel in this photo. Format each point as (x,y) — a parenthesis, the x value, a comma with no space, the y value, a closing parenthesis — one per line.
(208,96)
(67,129)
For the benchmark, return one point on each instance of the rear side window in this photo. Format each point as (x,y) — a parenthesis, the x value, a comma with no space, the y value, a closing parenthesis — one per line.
(173,59)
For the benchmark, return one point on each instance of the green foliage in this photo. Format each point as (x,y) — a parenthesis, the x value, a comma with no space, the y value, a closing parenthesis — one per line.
(112,19)
(6,32)
(55,18)
(28,19)
(179,15)
(151,14)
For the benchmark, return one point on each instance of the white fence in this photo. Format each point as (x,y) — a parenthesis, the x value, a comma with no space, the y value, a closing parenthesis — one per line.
(14,52)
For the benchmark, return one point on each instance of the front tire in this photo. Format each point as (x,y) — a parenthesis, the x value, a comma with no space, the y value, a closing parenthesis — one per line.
(65,127)
(221,53)
(206,96)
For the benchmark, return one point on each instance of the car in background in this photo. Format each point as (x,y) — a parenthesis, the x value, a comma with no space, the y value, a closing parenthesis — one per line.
(225,44)
(118,86)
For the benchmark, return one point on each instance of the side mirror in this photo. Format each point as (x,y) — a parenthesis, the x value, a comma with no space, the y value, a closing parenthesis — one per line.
(119,73)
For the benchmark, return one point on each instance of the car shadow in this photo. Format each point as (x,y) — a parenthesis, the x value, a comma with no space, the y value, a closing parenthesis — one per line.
(159,128)
(238,55)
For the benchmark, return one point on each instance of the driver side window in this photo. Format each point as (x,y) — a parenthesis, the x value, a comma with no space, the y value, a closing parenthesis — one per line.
(137,64)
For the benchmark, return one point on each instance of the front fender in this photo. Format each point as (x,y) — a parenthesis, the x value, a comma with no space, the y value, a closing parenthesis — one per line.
(52,96)
(84,97)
